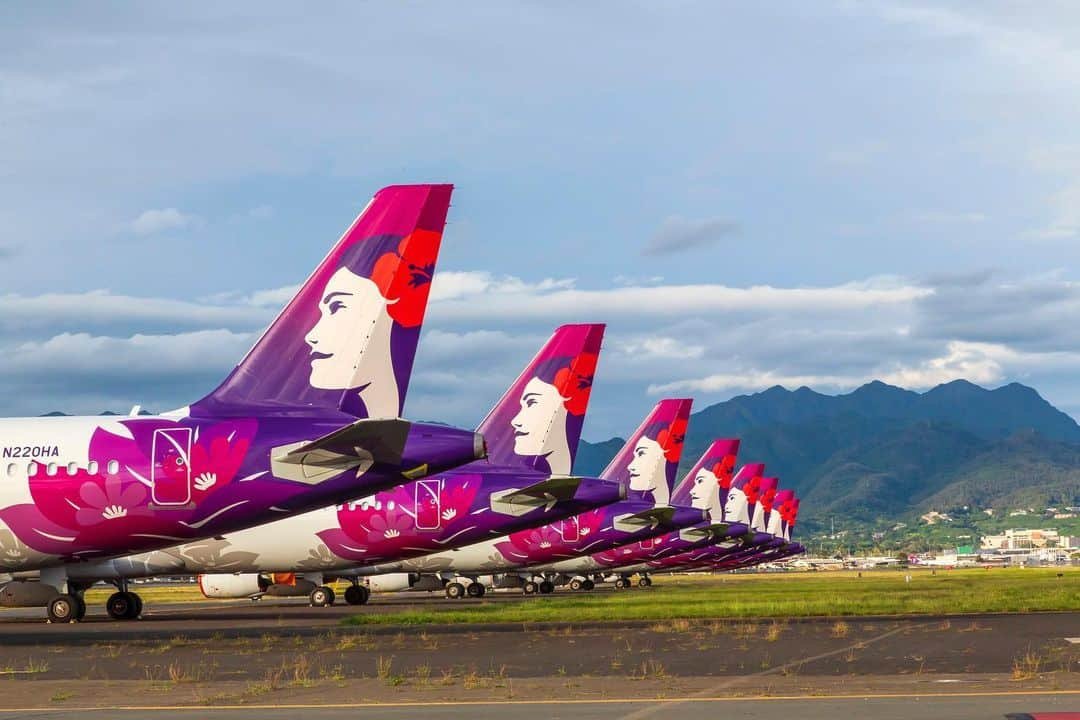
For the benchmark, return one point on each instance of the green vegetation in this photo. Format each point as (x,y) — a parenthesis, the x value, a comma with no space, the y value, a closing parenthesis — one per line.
(788,595)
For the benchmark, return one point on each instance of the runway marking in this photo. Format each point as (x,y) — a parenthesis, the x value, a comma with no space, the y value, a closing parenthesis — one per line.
(597,701)
(646,712)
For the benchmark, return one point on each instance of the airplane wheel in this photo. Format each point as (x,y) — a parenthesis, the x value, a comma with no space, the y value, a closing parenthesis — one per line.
(475,590)
(547,587)
(576,584)
(64,609)
(138,606)
(122,606)
(455,591)
(321,596)
(588,585)
(530,588)
(621,583)
(644,582)
(367,594)
(356,594)
(82,608)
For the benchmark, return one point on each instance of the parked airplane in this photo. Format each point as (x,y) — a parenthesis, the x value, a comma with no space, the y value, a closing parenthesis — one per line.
(646,464)
(532,435)
(700,488)
(308,418)
(735,512)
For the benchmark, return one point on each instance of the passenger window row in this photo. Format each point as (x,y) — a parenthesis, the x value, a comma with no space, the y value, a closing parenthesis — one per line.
(112,467)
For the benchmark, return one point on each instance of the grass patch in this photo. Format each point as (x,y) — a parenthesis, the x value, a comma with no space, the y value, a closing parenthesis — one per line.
(789,595)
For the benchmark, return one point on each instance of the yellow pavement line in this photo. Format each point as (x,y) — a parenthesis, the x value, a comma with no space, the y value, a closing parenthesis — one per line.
(597,701)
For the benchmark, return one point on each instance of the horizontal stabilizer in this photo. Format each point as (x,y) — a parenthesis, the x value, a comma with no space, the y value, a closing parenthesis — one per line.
(360,445)
(546,493)
(650,518)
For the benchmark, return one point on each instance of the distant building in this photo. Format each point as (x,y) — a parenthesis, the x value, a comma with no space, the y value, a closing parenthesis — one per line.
(1024,539)
(934,517)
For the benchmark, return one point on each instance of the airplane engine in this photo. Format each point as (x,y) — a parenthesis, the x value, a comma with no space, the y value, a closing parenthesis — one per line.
(230,585)
(394,582)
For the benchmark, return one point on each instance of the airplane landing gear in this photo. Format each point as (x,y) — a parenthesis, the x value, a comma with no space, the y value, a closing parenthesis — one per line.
(455,590)
(588,585)
(124,605)
(577,584)
(546,587)
(321,596)
(621,583)
(531,587)
(357,595)
(66,609)
(475,590)
(644,581)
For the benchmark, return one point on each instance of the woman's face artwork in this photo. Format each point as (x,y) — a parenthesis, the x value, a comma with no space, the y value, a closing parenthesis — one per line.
(705,492)
(736,508)
(541,417)
(351,310)
(647,465)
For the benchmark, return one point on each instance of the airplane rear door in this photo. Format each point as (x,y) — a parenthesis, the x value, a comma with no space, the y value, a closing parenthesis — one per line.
(170,474)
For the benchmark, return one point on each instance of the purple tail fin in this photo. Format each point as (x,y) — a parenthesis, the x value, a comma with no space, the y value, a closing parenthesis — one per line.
(537,423)
(737,507)
(780,507)
(704,486)
(348,339)
(649,459)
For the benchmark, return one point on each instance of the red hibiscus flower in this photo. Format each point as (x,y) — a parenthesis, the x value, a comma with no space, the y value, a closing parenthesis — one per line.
(767,498)
(671,439)
(404,277)
(575,382)
(725,471)
(752,489)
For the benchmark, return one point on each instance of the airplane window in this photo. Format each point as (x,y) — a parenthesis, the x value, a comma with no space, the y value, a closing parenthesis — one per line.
(11,470)
(50,469)
(92,468)
(31,469)
(73,468)
(113,467)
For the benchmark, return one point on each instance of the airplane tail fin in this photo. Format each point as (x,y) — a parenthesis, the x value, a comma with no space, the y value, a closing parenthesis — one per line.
(348,338)
(715,467)
(537,423)
(758,497)
(775,525)
(649,459)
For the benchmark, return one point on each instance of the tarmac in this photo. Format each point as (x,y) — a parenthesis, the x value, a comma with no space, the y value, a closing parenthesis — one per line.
(281,658)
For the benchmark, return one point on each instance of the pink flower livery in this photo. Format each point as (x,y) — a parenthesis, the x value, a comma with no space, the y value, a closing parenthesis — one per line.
(84,508)
(410,516)
(553,540)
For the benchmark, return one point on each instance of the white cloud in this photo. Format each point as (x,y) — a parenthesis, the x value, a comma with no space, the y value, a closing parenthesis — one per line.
(666,348)
(453,285)
(151,222)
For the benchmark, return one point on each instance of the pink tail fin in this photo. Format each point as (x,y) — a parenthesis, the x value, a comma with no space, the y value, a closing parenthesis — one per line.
(537,423)
(649,459)
(348,338)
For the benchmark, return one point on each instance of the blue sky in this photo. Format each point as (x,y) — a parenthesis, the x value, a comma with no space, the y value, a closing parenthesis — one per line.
(749,193)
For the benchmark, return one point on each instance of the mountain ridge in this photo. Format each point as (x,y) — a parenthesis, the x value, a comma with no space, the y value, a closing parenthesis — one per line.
(884,451)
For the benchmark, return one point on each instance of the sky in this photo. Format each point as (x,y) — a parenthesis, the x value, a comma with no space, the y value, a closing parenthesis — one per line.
(749,194)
